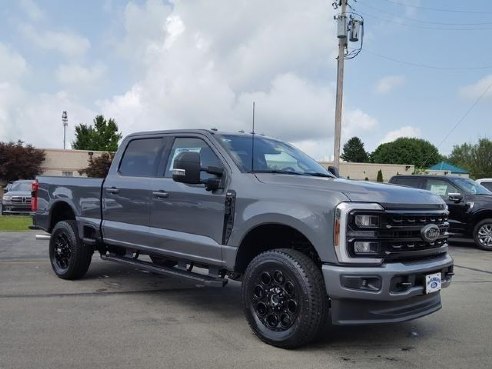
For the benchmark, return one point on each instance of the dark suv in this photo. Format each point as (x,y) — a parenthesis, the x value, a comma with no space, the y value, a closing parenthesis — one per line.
(469,204)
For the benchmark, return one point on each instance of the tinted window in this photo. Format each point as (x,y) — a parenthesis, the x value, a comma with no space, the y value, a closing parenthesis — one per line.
(440,187)
(208,158)
(487,185)
(141,157)
(414,182)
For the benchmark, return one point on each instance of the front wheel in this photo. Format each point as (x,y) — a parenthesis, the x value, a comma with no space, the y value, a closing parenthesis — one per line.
(284,298)
(70,258)
(482,234)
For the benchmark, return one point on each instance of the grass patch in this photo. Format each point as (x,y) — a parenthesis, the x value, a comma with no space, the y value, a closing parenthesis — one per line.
(15,223)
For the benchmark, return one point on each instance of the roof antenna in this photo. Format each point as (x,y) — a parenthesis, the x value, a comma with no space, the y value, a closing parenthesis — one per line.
(253,141)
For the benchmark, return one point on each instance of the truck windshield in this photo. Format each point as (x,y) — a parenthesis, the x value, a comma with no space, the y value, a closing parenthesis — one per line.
(21,186)
(471,187)
(267,155)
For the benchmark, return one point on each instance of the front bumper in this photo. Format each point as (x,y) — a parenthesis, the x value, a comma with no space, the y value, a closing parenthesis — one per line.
(15,207)
(392,292)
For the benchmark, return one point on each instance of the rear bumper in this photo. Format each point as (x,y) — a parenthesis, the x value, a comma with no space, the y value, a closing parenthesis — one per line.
(389,293)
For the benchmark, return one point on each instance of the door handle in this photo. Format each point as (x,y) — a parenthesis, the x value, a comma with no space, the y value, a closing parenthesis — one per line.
(113,190)
(160,194)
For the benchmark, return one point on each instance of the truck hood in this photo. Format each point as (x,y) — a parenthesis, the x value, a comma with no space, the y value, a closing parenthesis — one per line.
(18,193)
(387,195)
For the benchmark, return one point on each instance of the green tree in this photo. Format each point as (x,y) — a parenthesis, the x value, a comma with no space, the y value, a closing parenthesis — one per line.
(98,167)
(379,178)
(19,161)
(353,151)
(405,150)
(102,136)
(477,158)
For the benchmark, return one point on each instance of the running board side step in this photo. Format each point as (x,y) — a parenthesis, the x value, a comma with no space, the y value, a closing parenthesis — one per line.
(207,280)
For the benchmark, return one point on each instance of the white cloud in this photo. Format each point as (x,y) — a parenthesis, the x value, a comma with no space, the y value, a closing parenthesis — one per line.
(205,71)
(31,9)
(199,66)
(12,65)
(479,88)
(389,83)
(66,43)
(39,120)
(80,77)
(406,131)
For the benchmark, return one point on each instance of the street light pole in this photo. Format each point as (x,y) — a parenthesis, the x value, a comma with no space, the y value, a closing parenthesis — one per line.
(65,124)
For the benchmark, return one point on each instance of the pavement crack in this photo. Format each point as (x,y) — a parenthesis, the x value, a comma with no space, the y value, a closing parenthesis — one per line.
(97,293)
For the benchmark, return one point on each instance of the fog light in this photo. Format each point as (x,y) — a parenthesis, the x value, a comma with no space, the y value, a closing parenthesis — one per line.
(366,247)
(367,221)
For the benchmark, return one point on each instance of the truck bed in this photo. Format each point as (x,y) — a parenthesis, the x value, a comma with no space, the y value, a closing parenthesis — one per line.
(82,194)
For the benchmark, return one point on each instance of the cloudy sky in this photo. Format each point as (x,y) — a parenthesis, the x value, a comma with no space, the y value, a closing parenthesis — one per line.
(425,68)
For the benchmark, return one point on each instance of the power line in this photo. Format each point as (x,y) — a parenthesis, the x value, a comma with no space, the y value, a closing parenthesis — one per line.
(438,9)
(402,23)
(428,66)
(426,22)
(466,113)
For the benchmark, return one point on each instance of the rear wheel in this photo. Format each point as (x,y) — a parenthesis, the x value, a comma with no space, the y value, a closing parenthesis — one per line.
(482,234)
(70,258)
(284,298)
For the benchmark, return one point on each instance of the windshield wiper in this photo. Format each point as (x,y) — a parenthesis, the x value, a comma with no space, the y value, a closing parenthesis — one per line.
(317,174)
(313,174)
(274,171)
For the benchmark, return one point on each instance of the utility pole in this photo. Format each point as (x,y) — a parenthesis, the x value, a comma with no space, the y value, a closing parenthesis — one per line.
(342,44)
(349,28)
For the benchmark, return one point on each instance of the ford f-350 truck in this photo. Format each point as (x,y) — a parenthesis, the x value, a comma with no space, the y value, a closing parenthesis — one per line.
(309,248)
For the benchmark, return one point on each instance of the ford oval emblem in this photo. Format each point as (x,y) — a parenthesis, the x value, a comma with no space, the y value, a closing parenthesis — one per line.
(430,233)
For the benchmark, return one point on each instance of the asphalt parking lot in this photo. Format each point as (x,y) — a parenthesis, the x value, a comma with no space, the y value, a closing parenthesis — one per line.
(120,317)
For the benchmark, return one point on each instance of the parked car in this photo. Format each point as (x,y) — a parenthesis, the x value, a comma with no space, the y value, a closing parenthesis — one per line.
(18,198)
(309,248)
(486,182)
(469,204)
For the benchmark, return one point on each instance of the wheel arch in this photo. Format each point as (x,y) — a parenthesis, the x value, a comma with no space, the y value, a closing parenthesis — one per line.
(60,210)
(478,217)
(272,235)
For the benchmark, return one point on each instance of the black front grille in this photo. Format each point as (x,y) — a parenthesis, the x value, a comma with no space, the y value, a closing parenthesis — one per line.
(399,234)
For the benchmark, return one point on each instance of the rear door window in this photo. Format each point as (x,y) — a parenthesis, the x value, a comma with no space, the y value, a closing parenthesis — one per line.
(141,157)
(487,185)
(414,182)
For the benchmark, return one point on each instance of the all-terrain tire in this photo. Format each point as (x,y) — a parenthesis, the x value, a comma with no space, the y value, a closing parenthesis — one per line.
(70,258)
(482,234)
(284,298)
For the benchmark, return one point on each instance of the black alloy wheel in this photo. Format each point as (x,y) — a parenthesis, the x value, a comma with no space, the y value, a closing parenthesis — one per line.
(284,298)
(70,257)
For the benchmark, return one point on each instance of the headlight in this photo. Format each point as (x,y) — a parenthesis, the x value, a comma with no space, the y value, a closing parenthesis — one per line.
(7,198)
(367,221)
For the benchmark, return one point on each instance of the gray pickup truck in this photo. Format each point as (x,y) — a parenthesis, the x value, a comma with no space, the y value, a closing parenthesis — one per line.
(309,248)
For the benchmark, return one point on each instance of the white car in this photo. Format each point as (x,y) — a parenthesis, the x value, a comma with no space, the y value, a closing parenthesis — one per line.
(486,182)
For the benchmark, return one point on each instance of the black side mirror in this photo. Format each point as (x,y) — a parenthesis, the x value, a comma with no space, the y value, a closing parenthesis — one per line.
(334,171)
(456,197)
(187,168)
